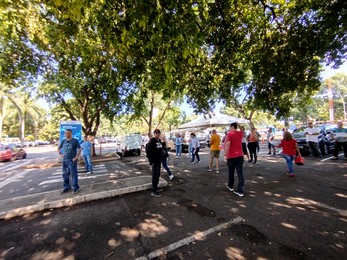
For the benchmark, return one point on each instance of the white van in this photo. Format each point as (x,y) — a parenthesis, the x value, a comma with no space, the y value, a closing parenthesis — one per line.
(130,145)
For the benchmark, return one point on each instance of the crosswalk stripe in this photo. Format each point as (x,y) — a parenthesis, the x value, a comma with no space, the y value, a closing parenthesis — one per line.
(14,178)
(15,164)
(99,170)
(89,176)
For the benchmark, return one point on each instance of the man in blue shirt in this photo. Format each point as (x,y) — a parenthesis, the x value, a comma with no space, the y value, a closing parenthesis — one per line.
(339,134)
(86,153)
(69,149)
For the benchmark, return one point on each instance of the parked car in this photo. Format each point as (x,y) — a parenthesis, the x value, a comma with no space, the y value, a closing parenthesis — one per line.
(29,143)
(326,144)
(130,144)
(144,141)
(202,142)
(170,143)
(11,152)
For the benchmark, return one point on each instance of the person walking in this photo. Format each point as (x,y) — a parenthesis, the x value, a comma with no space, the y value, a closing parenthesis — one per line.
(69,149)
(87,148)
(270,137)
(178,143)
(244,141)
(189,147)
(233,154)
(312,140)
(164,158)
(252,139)
(215,141)
(154,153)
(340,136)
(290,150)
(195,148)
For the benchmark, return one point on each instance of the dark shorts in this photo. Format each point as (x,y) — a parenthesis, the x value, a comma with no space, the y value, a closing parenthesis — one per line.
(244,149)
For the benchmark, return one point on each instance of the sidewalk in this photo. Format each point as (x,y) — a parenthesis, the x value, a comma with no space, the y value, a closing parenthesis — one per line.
(23,205)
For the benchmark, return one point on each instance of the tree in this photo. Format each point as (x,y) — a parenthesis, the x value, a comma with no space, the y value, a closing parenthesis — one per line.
(103,54)
(338,84)
(24,113)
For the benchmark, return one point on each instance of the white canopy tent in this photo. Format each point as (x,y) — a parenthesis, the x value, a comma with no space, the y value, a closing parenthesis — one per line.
(213,121)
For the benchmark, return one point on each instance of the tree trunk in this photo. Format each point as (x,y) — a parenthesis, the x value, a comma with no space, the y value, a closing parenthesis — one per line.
(151,115)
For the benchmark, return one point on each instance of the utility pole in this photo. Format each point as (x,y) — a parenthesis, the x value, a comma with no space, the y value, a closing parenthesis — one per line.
(331,102)
(344,107)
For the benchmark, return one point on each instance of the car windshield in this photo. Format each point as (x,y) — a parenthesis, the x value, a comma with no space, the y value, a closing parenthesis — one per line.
(299,133)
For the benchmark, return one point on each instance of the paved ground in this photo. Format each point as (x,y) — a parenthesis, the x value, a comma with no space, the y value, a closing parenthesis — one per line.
(197,218)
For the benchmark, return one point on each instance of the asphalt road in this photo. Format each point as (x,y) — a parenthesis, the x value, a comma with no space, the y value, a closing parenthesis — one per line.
(197,217)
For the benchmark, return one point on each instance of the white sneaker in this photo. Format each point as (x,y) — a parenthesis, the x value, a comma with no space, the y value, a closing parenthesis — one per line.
(209,169)
(171,177)
(88,172)
(231,189)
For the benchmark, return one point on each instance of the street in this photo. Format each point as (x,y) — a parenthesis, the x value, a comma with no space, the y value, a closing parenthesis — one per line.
(196,218)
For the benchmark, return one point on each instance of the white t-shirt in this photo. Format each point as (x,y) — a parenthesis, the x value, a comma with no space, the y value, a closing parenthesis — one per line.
(313,134)
(195,142)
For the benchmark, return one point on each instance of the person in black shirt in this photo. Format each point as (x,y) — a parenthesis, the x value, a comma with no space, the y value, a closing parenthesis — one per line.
(154,153)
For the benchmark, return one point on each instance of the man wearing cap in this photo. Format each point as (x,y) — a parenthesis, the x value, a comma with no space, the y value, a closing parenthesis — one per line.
(69,149)
(154,153)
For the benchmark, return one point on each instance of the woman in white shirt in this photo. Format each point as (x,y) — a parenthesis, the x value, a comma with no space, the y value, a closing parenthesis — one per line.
(195,148)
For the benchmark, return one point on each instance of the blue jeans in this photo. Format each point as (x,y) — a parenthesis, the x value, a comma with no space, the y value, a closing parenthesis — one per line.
(190,150)
(70,167)
(179,150)
(195,152)
(289,159)
(88,162)
(236,163)
(164,163)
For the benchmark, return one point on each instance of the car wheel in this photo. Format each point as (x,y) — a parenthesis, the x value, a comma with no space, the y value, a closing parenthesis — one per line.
(24,156)
(324,149)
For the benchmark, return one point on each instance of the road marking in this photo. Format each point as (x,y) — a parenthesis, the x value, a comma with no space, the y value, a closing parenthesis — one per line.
(199,236)
(98,171)
(15,164)
(99,168)
(14,178)
(89,176)
(329,158)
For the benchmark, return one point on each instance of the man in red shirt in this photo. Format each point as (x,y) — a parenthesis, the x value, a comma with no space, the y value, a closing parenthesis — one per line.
(234,154)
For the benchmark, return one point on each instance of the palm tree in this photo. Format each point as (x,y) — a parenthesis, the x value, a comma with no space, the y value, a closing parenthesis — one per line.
(25,108)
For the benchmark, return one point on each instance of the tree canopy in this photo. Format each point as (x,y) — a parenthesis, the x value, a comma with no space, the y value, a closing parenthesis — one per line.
(100,57)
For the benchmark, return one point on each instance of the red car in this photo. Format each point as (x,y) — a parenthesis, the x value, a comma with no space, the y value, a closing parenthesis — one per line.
(11,152)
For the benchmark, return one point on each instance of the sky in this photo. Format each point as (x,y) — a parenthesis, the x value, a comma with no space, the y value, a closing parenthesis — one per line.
(328,72)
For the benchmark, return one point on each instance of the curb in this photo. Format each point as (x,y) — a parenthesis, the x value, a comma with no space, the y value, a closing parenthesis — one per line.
(125,187)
